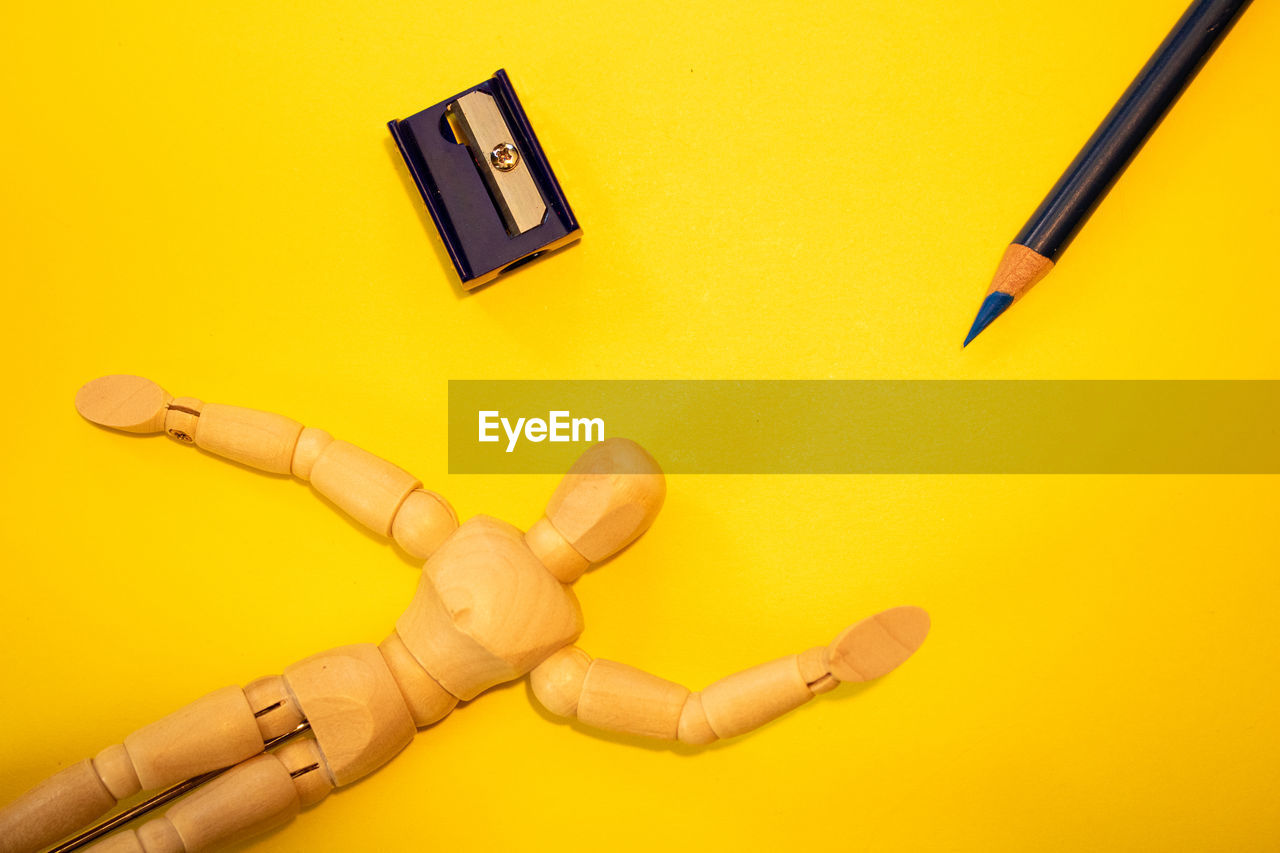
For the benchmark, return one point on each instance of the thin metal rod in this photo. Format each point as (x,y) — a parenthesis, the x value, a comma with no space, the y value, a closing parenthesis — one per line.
(168,795)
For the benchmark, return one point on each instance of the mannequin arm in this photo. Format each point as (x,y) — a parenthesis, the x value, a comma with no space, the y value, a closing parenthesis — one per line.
(620,698)
(383,497)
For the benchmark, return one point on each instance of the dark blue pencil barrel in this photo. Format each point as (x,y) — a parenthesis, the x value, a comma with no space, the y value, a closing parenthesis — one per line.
(1127,126)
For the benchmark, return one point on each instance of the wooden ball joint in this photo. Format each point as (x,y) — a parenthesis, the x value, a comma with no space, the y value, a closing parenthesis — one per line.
(493,605)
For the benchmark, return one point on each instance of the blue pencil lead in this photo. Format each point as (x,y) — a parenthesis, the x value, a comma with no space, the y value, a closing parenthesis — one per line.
(992,307)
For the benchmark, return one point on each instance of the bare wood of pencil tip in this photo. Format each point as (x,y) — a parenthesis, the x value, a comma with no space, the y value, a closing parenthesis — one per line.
(1037,246)
(1019,270)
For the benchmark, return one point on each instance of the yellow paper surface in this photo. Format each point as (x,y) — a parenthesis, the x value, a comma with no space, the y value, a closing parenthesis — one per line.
(206,194)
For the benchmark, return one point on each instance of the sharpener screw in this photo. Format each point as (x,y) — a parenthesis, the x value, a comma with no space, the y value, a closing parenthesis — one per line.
(504,157)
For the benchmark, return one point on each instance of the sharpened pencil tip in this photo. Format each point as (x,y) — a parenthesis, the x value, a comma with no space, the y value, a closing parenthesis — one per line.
(992,307)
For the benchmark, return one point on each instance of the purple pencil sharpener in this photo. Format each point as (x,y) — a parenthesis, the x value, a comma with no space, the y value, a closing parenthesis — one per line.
(486,181)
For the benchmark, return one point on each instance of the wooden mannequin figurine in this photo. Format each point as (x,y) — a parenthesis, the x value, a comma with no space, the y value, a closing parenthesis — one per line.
(493,604)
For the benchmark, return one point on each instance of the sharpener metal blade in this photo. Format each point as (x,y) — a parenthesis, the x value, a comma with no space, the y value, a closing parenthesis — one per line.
(484,131)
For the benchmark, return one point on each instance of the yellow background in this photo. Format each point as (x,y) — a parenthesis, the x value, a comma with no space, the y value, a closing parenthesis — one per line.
(206,194)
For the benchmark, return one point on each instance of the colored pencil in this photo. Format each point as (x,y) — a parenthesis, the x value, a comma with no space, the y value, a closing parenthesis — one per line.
(1035,250)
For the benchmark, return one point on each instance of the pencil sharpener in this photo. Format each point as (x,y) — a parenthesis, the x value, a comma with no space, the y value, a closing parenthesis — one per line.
(486,181)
